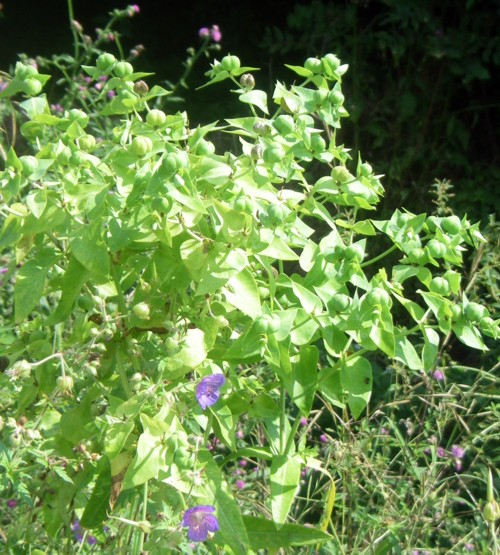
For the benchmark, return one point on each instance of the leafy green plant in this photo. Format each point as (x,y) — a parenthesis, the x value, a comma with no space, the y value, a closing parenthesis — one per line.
(177,309)
(420,90)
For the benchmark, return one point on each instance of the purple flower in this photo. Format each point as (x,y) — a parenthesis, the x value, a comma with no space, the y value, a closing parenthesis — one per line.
(207,391)
(204,32)
(133,9)
(441,452)
(469,547)
(438,375)
(215,33)
(384,431)
(91,540)
(11,503)
(303,421)
(323,438)
(240,484)
(457,451)
(240,434)
(200,522)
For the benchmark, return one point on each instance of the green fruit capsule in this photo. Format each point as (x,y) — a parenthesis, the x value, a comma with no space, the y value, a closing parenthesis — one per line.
(31,87)
(156,118)
(417,256)
(105,62)
(161,204)
(436,249)
(318,144)
(451,224)
(339,302)
(25,71)
(142,146)
(274,154)
(243,204)
(331,62)
(205,148)
(336,98)
(320,96)
(230,63)
(474,312)
(378,297)
(365,169)
(142,311)
(275,214)
(87,143)
(486,324)
(341,174)
(267,324)
(439,285)
(314,65)
(123,69)
(79,116)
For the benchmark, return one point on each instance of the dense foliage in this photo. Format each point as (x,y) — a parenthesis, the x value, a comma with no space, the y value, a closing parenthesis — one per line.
(229,341)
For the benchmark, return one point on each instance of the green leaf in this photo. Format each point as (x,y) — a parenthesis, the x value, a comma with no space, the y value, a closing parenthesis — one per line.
(299,70)
(90,250)
(406,353)
(356,380)
(469,335)
(285,477)
(11,231)
(305,378)
(72,282)
(232,528)
(242,292)
(257,98)
(191,355)
(36,201)
(116,437)
(431,347)
(150,455)
(264,534)
(96,510)
(30,283)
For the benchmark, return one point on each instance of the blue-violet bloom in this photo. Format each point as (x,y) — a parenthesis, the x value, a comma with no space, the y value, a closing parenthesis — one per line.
(207,391)
(200,522)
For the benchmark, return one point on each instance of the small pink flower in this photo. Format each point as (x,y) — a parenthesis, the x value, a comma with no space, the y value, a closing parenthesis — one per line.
(243,462)
(111,94)
(215,33)
(384,431)
(240,434)
(323,438)
(240,484)
(438,375)
(303,421)
(204,32)
(11,503)
(133,10)
(457,451)
(441,452)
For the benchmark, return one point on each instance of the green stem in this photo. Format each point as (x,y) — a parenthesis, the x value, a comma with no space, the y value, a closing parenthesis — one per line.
(282,418)
(379,257)
(142,535)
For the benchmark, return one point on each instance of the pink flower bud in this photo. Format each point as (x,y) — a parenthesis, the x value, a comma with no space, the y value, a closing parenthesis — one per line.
(204,32)
(215,33)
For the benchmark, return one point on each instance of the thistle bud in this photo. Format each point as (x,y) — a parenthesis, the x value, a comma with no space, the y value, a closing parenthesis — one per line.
(247,81)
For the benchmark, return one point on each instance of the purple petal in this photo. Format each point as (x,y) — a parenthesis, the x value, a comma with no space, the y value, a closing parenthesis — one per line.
(211,523)
(198,533)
